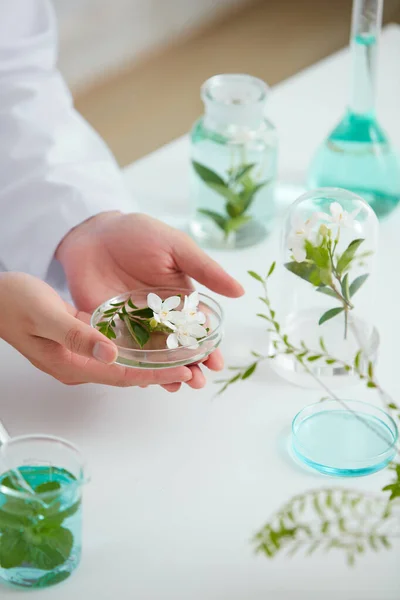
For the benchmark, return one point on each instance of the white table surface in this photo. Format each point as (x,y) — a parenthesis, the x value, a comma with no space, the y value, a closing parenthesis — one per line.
(180,483)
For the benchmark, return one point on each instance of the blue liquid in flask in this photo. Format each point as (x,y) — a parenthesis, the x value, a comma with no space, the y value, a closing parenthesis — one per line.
(357,154)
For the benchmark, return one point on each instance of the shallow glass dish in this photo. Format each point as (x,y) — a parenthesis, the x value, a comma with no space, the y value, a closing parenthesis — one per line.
(155,354)
(344,443)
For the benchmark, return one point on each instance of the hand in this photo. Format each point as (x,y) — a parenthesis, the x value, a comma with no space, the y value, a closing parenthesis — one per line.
(114,253)
(57,339)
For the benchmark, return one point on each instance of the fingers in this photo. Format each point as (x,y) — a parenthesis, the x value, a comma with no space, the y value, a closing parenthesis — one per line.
(78,337)
(172,387)
(192,261)
(72,368)
(215,361)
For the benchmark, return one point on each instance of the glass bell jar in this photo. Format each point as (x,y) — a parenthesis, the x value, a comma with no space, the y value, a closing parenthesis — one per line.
(233,164)
(326,288)
(357,155)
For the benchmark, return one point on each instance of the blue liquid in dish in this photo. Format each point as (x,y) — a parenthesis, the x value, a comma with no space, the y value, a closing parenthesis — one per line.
(336,442)
(40,541)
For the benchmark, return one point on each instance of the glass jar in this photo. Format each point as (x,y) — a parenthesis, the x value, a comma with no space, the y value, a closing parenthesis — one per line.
(329,244)
(41,479)
(234,161)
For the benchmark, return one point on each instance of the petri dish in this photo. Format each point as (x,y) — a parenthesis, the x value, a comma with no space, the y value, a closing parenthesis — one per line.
(155,354)
(344,443)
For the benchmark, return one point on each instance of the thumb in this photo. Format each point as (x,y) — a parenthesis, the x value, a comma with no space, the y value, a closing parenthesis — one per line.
(80,338)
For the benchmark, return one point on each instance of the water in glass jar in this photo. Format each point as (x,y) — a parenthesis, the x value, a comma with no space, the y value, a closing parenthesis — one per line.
(232,186)
(40,534)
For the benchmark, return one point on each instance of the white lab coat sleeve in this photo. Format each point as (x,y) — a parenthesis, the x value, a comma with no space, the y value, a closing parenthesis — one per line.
(55,171)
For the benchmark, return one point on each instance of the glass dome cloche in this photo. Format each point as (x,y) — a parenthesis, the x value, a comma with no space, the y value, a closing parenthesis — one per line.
(326,293)
(233,164)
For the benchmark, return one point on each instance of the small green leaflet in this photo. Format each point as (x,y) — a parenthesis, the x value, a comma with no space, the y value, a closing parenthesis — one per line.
(13,549)
(256,276)
(137,331)
(330,314)
(218,219)
(306,271)
(236,223)
(327,291)
(207,175)
(357,283)
(348,255)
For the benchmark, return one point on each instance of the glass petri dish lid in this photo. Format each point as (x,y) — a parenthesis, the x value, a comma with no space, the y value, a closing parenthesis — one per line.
(155,354)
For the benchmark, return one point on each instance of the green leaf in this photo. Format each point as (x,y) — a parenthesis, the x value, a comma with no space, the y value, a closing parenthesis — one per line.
(330,314)
(143,313)
(255,276)
(224,191)
(322,344)
(131,304)
(330,361)
(51,579)
(319,255)
(348,255)
(357,283)
(218,219)
(55,520)
(137,331)
(345,287)
(242,171)
(327,291)
(20,507)
(271,269)
(48,486)
(306,271)
(207,175)
(262,316)
(370,370)
(248,195)
(315,357)
(13,521)
(249,371)
(54,549)
(236,223)
(110,312)
(117,303)
(13,549)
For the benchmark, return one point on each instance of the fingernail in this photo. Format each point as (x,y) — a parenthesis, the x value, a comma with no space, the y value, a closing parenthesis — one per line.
(104,353)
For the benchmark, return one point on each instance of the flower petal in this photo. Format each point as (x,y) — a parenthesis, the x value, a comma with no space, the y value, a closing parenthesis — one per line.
(299,252)
(201,318)
(193,300)
(154,302)
(172,341)
(196,330)
(336,210)
(187,341)
(171,303)
(177,317)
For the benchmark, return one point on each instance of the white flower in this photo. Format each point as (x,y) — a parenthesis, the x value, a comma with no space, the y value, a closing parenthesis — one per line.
(186,334)
(163,310)
(300,233)
(341,217)
(189,313)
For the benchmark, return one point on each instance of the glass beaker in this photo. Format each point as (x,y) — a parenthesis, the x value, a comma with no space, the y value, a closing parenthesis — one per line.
(40,532)
(357,155)
(327,287)
(234,162)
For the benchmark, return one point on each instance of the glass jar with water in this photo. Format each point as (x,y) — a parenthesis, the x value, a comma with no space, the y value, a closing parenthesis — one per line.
(233,164)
